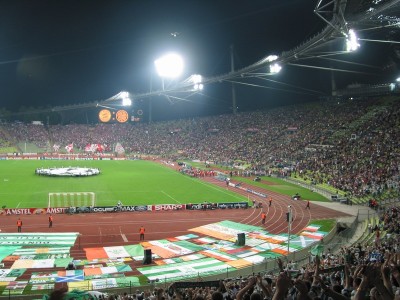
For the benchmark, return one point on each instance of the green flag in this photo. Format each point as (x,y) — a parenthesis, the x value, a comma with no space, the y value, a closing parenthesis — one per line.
(317,250)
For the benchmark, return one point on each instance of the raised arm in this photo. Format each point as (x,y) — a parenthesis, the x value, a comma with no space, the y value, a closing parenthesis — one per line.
(283,283)
(265,288)
(251,283)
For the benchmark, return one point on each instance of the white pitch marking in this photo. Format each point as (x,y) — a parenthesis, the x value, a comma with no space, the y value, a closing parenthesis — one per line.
(169,196)
(124,237)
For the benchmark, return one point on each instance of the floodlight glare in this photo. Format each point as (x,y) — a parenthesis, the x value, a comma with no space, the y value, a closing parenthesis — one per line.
(126,101)
(275,68)
(271,58)
(398,79)
(198,87)
(169,66)
(197,79)
(352,41)
(124,95)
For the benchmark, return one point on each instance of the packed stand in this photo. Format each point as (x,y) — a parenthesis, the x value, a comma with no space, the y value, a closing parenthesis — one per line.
(363,279)
(29,133)
(351,145)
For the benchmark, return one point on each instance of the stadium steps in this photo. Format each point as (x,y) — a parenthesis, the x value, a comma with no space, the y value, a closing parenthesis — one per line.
(77,253)
(366,235)
(371,237)
(364,230)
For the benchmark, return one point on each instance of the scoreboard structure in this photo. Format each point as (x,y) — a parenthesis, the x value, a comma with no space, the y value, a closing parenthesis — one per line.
(108,116)
(119,116)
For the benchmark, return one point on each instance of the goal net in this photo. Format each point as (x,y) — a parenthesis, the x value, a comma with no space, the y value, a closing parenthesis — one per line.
(72,199)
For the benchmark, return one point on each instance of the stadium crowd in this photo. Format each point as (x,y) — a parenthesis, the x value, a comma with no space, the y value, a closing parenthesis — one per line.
(352,146)
(358,274)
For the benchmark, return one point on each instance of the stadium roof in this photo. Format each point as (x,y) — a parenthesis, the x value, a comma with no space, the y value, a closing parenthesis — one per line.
(339,15)
(375,21)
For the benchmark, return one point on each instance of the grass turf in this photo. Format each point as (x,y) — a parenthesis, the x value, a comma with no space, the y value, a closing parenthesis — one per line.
(132,182)
(283,187)
(326,225)
(279,185)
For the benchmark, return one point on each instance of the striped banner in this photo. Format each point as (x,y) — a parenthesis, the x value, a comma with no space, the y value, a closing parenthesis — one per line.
(205,267)
(38,239)
(312,228)
(44,250)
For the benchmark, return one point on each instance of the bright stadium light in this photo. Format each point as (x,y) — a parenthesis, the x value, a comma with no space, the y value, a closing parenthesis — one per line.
(124,94)
(398,79)
(197,82)
(126,100)
(169,65)
(271,58)
(352,41)
(275,68)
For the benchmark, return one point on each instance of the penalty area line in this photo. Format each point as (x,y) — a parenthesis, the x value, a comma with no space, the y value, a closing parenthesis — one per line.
(123,236)
(169,196)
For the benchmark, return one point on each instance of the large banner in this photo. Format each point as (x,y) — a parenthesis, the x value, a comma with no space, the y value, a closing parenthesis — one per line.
(238,186)
(33,211)
(225,205)
(163,207)
(121,208)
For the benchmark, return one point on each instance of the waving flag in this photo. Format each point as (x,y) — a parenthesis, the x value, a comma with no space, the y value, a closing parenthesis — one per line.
(56,147)
(94,148)
(88,148)
(70,148)
(119,149)
(100,148)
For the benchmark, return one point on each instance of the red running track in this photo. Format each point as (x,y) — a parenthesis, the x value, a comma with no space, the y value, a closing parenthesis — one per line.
(117,229)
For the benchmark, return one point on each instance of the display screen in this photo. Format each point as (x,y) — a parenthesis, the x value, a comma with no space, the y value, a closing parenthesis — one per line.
(108,116)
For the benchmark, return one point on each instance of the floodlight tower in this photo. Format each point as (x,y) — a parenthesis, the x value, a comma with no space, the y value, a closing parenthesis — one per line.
(169,66)
(351,41)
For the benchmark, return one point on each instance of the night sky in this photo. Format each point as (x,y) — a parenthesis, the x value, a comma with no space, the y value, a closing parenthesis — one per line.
(66,52)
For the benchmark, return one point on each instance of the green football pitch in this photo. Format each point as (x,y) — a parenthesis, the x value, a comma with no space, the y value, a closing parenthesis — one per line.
(131,182)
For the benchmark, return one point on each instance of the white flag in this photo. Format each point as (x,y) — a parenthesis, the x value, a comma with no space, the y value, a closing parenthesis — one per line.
(119,149)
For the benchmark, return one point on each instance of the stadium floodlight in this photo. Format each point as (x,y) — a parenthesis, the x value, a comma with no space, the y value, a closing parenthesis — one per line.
(398,79)
(197,82)
(275,68)
(271,58)
(169,65)
(126,100)
(352,41)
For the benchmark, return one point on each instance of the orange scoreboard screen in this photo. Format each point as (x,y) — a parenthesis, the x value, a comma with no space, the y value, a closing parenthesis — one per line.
(108,116)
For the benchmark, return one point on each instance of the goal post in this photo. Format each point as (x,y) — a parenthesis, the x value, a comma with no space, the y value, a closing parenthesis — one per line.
(71,199)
